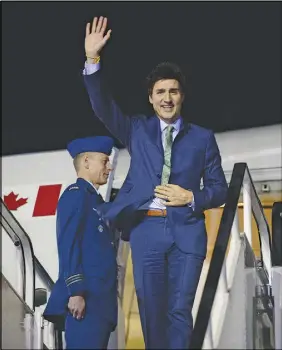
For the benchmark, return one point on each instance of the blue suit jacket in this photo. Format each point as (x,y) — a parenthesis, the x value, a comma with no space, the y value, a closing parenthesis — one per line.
(195,155)
(87,256)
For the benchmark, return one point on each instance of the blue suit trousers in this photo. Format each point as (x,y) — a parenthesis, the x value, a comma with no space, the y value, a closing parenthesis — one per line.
(166,281)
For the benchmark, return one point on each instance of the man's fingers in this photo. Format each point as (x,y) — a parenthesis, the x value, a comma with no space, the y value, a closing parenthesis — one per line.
(80,312)
(165,188)
(99,25)
(107,36)
(94,25)
(104,26)
(170,185)
(79,315)
(162,196)
(161,190)
(87,31)
(74,313)
(172,204)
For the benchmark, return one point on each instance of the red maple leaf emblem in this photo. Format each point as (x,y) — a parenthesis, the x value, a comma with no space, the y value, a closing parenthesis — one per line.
(12,202)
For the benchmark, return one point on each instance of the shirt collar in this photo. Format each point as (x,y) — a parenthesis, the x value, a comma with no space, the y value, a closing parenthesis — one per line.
(93,186)
(176,124)
(87,184)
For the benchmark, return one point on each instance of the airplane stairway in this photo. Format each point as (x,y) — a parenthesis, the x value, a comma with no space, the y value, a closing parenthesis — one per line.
(239,297)
(241,302)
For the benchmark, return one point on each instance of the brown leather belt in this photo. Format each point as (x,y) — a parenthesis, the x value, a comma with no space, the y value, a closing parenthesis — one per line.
(155,212)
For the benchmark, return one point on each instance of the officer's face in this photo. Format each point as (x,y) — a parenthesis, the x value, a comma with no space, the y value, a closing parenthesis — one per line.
(98,167)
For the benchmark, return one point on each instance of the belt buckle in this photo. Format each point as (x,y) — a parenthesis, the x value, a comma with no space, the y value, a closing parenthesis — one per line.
(163,212)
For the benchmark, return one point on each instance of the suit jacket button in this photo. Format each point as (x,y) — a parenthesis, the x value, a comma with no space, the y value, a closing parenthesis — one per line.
(159,176)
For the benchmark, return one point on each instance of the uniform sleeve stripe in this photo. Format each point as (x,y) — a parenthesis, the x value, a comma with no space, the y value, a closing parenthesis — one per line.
(74,281)
(74,277)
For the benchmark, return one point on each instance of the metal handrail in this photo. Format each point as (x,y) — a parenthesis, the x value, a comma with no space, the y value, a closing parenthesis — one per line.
(43,274)
(31,264)
(9,222)
(17,244)
(240,178)
(262,225)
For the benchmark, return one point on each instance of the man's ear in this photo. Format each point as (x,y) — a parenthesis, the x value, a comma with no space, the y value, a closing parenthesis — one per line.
(85,161)
(150,99)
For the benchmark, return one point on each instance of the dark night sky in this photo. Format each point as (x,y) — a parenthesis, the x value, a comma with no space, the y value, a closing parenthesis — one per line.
(231,53)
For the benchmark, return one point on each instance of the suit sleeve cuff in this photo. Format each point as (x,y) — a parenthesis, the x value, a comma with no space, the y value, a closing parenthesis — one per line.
(90,68)
(199,201)
(192,204)
(75,285)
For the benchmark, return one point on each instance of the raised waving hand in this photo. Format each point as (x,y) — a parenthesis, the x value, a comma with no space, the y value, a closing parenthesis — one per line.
(96,37)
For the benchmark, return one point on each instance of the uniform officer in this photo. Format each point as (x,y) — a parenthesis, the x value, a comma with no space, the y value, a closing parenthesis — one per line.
(84,297)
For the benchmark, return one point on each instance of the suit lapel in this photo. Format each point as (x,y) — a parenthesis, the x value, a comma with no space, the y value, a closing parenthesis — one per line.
(183,131)
(154,133)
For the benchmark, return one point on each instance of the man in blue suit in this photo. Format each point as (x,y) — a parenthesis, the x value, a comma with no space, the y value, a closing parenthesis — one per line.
(161,203)
(84,298)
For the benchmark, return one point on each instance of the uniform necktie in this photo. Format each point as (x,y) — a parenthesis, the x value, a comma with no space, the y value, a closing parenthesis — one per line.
(167,154)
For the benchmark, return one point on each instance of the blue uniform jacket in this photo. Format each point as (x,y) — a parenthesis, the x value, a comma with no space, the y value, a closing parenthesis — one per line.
(87,256)
(195,156)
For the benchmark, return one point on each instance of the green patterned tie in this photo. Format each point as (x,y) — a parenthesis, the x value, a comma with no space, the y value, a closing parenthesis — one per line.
(167,154)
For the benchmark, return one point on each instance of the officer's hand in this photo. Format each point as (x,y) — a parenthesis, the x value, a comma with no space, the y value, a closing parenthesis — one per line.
(95,39)
(76,306)
(173,195)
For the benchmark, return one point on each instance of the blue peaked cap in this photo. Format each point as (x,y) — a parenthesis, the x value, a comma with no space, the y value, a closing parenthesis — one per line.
(102,144)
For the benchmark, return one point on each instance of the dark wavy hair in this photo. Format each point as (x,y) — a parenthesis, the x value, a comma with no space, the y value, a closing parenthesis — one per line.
(165,70)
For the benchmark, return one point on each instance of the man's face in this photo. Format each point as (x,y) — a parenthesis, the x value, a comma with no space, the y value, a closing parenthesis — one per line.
(167,99)
(98,167)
